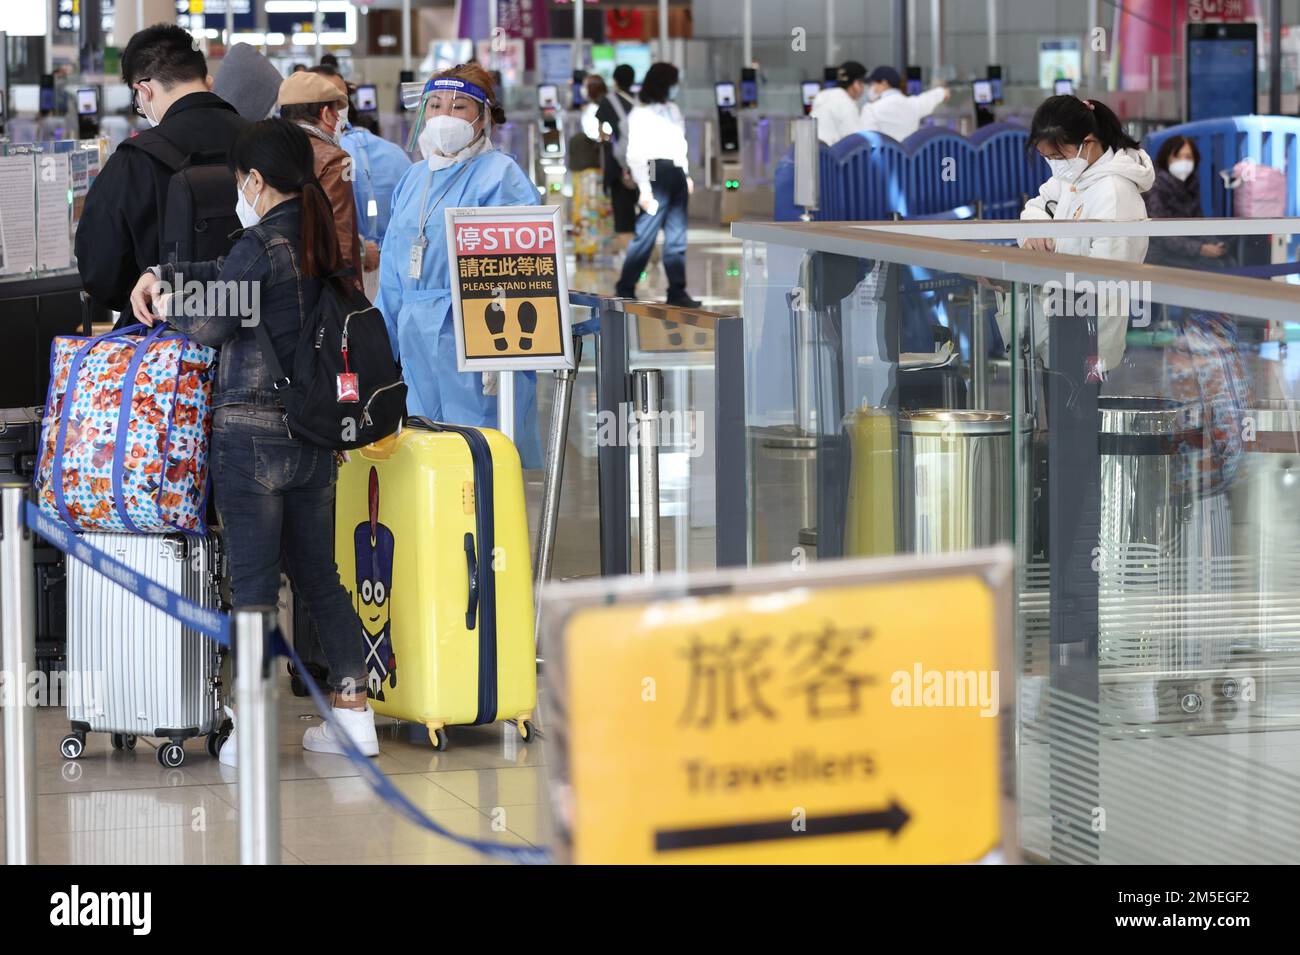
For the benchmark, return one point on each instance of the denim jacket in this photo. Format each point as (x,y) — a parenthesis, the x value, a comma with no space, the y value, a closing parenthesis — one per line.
(260,280)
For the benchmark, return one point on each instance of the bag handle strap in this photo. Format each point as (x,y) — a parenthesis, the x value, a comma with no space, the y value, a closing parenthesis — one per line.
(281,380)
(124,421)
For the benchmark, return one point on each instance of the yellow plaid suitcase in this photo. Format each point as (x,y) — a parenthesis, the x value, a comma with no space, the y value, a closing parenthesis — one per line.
(431,539)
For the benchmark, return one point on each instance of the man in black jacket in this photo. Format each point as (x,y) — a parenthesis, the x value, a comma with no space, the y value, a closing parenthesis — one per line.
(117,237)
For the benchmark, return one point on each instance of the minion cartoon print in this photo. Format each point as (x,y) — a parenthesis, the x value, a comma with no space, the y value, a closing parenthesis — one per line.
(373,543)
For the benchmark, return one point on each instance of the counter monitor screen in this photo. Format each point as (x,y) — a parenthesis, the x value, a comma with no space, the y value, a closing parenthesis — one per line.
(724,94)
(914,87)
(367,99)
(1063,88)
(548,96)
(809,89)
(1221,76)
(87,102)
(749,87)
(983,92)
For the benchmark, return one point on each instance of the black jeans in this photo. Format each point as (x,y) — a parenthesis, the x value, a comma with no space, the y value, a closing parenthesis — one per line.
(275,496)
(669,187)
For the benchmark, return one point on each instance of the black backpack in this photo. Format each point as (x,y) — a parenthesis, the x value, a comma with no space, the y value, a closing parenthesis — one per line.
(344,335)
(198,220)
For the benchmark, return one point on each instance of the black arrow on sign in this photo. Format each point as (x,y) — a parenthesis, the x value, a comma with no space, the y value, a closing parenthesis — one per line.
(892,819)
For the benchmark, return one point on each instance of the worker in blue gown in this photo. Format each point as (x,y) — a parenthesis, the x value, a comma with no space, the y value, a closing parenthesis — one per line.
(452,128)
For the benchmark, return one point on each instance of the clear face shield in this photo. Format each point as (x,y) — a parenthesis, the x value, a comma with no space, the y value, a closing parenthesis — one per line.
(442,97)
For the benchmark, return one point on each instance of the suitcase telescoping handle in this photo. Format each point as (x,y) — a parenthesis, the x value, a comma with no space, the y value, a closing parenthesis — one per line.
(471,565)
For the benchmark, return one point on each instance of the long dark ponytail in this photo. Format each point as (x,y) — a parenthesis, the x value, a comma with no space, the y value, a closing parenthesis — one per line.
(1062,120)
(282,153)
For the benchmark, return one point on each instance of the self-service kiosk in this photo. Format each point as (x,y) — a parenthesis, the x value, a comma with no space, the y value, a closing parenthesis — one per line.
(550,143)
(982,93)
(748,88)
(366,99)
(724,96)
(808,91)
(87,113)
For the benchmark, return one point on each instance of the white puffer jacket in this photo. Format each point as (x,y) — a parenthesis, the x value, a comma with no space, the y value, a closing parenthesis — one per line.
(1110,190)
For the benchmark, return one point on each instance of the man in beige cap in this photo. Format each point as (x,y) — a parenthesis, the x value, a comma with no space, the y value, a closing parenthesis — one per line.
(315,104)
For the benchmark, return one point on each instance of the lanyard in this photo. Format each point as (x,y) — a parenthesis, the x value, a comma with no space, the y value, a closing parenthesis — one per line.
(424,197)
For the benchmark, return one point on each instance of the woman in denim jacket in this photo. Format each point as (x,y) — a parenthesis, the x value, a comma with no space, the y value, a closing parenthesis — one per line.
(274,493)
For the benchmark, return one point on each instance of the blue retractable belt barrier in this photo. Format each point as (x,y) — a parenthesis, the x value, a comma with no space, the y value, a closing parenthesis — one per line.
(216,626)
(1265,271)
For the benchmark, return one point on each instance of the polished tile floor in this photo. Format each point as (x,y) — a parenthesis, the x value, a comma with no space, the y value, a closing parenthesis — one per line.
(118,808)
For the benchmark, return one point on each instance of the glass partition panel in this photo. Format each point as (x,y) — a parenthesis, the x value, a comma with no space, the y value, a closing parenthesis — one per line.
(1134,431)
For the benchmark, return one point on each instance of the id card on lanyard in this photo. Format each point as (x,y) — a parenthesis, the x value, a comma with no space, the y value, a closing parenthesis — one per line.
(415,264)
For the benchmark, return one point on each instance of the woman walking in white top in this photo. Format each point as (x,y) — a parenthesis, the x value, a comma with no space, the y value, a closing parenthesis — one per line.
(656,155)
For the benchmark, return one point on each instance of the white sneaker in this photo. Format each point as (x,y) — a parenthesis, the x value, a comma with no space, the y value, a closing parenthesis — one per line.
(359,726)
(227,755)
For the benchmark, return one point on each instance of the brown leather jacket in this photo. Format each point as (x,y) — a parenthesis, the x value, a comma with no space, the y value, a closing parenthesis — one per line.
(334,170)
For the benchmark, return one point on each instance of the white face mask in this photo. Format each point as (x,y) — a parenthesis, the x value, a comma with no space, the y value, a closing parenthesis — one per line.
(1069,170)
(872,94)
(445,135)
(1180,169)
(245,210)
(144,108)
(342,123)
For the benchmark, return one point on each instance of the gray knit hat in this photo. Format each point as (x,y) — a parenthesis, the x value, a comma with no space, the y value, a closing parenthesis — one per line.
(247,81)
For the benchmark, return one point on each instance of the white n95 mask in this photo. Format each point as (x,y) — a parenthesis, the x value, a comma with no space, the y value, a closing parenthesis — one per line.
(445,135)
(246,210)
(1181,168)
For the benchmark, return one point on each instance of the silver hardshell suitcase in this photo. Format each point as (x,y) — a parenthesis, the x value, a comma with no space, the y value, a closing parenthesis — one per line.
(132,669)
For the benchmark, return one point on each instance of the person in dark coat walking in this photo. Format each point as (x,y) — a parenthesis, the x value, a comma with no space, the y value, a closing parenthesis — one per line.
(1176,194)
(117,237)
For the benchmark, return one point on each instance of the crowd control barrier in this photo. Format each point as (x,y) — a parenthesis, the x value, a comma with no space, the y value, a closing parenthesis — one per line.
(1222,143)
(869,176)
(257,643)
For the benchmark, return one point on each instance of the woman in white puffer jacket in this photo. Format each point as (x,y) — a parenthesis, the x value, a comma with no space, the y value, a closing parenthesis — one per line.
(1099,173)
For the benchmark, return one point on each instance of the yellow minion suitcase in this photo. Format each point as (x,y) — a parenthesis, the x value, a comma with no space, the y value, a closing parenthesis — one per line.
(431,539)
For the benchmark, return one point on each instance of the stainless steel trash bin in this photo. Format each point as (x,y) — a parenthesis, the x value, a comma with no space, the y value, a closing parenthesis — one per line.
(955,487)
(1163,645)
(1265,500)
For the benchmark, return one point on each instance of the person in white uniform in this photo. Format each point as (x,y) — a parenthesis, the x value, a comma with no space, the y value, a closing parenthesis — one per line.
(888,110)
(838,109)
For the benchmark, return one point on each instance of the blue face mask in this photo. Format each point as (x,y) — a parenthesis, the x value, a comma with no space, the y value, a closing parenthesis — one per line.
(672,92)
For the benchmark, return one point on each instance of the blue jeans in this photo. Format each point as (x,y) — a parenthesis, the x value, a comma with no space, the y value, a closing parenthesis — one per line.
(669,187)
(275,496)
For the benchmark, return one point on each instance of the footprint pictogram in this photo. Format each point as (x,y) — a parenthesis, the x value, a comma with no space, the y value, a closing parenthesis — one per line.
(495,316)
(527,325)
(674,337)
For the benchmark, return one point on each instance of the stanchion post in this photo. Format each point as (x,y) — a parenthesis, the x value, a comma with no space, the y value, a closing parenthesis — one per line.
(647,401)
(979,352)
(553,478)
(18,618)
(258,756)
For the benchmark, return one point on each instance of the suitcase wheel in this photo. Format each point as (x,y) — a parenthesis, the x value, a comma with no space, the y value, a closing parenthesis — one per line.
(296,684)
(123,741)
(218,739)
(72,746)
(438,737)
(171,755)
(527,731)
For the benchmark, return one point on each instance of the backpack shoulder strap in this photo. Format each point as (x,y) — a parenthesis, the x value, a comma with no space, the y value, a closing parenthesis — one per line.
(152,143)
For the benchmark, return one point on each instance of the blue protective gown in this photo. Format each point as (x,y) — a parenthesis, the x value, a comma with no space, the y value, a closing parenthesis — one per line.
(378,166)
(418,311)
